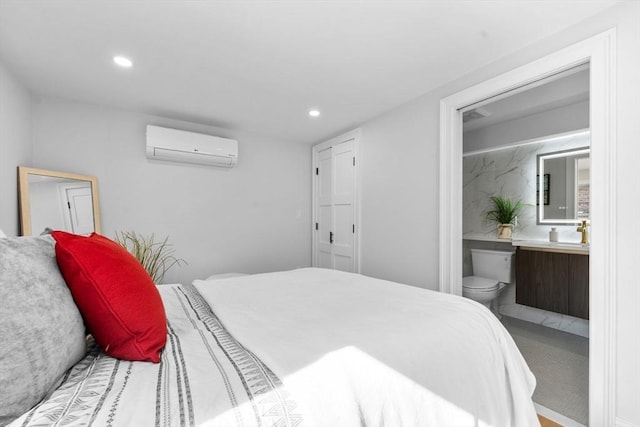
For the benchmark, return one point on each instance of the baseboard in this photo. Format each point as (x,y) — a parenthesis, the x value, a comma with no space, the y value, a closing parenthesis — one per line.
(558,417)
(624,423)
(568,422)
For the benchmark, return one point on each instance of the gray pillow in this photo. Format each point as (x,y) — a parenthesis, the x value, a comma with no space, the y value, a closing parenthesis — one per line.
(41,330)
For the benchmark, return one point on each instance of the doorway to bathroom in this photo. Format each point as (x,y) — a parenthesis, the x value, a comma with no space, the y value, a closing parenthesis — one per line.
(597,52)
(504,140)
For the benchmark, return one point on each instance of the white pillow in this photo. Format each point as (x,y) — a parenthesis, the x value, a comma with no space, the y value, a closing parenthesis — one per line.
(2,234)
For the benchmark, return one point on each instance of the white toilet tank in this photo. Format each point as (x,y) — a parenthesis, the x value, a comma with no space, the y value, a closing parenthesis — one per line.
(498,265)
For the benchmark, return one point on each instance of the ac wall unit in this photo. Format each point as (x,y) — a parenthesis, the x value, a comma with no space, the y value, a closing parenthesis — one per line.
(190,147)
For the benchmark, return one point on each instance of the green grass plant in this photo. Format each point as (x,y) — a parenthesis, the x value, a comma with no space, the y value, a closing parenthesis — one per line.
(503,210)
(156,257)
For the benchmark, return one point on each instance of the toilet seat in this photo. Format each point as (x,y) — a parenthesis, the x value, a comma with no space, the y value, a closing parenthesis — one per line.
(479,284)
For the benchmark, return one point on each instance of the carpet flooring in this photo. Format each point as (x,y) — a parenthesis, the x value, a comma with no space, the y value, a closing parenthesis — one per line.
(560,362)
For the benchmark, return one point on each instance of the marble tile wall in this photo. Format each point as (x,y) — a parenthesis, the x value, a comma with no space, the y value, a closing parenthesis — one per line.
(511,172)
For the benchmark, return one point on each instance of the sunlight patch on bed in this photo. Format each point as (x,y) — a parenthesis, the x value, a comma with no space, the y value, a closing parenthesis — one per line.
(381,393)
(377,394)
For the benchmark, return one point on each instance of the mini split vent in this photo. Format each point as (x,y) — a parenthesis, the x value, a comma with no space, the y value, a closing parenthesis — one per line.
(189,147)
(475,114)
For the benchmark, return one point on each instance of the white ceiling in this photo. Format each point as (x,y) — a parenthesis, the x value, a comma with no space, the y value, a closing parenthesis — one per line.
(560,90)
(260,65)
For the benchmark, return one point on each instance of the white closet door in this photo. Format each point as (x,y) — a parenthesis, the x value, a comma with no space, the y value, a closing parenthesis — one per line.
(343,206)
(335,204)
(324,186)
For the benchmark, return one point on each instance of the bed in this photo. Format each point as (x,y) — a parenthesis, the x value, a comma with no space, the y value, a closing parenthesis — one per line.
(307,347)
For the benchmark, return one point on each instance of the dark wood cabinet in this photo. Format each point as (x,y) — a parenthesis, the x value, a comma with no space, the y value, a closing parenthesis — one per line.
(553,281)
(579,286)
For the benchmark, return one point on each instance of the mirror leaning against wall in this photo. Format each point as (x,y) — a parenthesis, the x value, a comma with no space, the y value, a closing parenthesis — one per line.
(57,200)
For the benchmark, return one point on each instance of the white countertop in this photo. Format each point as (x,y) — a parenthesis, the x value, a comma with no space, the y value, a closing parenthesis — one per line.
(540,245)
(484,237)
(564,247)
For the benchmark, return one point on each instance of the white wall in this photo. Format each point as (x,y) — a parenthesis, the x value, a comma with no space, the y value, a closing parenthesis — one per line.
(46,207)
(550,122)
(400,186)
(252,218)
(15,146)
(399,167)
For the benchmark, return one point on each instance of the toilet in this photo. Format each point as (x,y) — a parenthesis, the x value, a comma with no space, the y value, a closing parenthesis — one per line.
(492,270)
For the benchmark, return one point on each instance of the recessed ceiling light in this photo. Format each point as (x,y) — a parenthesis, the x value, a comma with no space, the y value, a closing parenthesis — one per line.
(314,113)
(122,61)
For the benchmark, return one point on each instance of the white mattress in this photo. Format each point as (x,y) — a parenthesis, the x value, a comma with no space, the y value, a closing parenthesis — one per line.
(358,351)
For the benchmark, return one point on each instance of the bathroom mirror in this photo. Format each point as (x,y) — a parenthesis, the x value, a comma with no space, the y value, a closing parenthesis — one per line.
(563,179)
(58,201)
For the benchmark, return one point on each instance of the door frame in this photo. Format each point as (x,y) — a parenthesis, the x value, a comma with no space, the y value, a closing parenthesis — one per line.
(354,135)
(599,51)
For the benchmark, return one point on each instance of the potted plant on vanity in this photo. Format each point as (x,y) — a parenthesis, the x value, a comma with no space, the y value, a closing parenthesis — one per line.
(504,212)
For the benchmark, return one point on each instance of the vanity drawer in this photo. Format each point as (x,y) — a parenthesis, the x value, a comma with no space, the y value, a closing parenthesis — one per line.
(553,281)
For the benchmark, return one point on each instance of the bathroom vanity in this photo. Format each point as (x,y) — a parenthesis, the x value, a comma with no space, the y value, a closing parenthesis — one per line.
(553,277)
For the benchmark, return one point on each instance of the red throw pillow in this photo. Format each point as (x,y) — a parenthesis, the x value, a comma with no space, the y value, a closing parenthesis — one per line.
(119,302)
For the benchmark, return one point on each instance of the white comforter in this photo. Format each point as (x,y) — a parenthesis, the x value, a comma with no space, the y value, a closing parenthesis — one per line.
(353,350)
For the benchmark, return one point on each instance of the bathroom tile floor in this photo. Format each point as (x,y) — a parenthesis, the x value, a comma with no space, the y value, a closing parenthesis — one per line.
(560,362)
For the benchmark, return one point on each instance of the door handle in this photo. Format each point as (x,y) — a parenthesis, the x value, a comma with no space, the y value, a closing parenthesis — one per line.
(331,237)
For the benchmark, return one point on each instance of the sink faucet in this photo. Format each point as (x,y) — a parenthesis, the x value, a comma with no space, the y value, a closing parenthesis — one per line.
(584,229)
